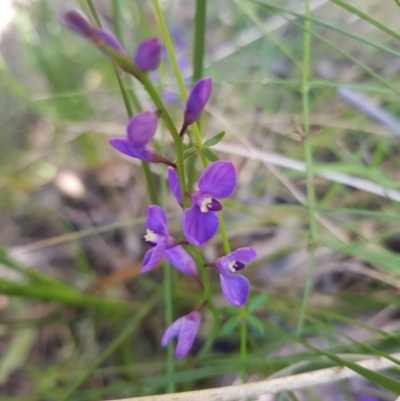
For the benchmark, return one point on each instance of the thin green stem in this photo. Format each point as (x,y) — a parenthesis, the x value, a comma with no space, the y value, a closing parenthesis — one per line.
(198,64)
(178,76)
(243,344)
(168,307)
(116,20)
(124,93)
(309,165)
(94,12)
(199,38)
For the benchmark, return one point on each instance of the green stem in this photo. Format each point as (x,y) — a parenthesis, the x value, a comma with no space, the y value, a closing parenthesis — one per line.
(199,37)
(117,20)
(243,344)
(94,12)
(168,311)
(198,62)
(171,54)
(309,165)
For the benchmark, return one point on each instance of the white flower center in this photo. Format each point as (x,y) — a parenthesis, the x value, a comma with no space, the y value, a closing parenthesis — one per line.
(231,266)
(150,236)
(204,203)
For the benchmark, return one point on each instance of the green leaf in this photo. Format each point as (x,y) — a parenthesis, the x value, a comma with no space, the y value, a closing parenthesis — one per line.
(257,301)
(209,154)
(255,323)
(215,139)
(230,325)
(189,153)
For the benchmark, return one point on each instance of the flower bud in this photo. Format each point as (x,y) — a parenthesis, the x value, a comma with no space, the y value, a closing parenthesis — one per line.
(185,328)
(197,100)
(98,36)
(148,55)
(77,23)
(141,128)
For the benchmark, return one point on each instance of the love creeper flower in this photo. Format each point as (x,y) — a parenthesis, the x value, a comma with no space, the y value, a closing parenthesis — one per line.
(235,287)
(98,36)
(200,222)
(197,99)
(148,55)
(164,245)
(139,131)
(185,328)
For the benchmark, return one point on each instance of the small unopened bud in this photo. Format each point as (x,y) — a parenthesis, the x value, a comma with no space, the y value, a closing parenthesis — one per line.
(98,36)
(197,100)
(77,23)
(148,55)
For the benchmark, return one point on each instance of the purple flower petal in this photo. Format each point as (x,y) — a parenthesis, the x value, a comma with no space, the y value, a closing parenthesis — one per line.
(148,55)
(141,128)
(199,227)
(146,153)
(173,181)
(152,257)
(186,329)
(198,97)
(181,260)
(244,255)
(235,288)
(241,255)
(157,220)
(78,23)
(218,180)
(108,39)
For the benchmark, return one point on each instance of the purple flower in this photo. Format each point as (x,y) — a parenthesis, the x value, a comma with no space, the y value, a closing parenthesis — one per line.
(235,287)
(139,132)
(98,36)
(164,245)
(185,328)
(148,55)
(173,181)
(200,222)
(198,97)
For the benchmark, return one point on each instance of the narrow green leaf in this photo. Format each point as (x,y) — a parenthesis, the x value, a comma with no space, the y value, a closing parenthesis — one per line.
(378,378)
(257,301)
(16,353)
(215,139)
(209,154)
(255,323)
(366,17)
(230,325)
(189,153)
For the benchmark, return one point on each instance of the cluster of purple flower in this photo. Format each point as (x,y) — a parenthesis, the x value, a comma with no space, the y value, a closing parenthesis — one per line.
(200,221)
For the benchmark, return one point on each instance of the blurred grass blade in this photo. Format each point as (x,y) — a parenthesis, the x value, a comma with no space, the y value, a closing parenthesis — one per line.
(366,17)
(127,331)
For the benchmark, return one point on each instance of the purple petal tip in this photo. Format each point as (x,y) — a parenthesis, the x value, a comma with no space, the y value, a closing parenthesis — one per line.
(78,23)
(141,129)
(185,328)
(148,55)
(198,97)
